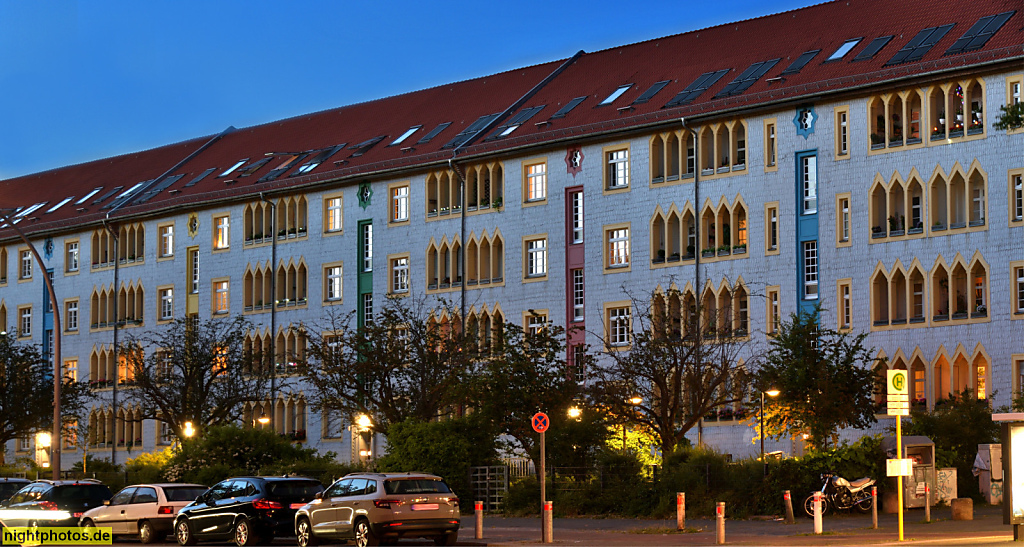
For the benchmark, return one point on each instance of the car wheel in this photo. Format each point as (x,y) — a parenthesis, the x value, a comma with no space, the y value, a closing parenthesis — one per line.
(365,535)
(183,533)
(244,534)
(147,534)
(88,523)
(304,534)
(447,539)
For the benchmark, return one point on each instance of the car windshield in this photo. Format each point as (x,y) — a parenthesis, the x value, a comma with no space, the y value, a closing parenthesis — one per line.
(96,492)
(7,489)
(183,493)
(416,486)
(305,490)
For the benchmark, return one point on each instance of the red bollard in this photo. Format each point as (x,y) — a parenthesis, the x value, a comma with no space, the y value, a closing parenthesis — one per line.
(478,509)
(874,508)
(680,511)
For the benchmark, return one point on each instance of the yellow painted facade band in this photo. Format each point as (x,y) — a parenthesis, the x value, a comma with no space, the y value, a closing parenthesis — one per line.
(57,536)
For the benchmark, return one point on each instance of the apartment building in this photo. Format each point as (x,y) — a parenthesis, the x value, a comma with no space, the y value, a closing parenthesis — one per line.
(840,155)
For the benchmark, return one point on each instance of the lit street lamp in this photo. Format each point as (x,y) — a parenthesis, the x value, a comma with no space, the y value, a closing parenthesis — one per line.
(363,425)
(58,377)
(189,431)
(771,393)
(575,412)
(635,401)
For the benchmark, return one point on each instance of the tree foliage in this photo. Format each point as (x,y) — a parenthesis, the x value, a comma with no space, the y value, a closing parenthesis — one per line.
(411,362)
(1011,117)
(825,378)
(26,392)
(681,364)
(194,371)
(447,448)
(521,374)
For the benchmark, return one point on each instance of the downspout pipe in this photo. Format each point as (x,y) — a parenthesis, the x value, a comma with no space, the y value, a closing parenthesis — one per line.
(698,297)
(113,231)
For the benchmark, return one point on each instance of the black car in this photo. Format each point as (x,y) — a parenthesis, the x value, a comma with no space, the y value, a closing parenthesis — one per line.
(248,510)
(8,486)
(53,503)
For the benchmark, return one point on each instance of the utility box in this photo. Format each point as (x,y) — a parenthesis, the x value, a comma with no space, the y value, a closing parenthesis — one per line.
(922,450)
(988,466)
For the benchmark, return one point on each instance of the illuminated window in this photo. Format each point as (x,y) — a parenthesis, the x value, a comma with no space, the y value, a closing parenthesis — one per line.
(332,215)
(220,297)
(221,232)
(400,203)
(536,182)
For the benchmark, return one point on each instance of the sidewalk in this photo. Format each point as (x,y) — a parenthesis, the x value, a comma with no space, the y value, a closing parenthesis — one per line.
(986,528)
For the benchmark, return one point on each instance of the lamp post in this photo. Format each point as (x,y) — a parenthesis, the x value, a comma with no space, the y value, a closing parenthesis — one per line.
(5,220)
(189,431)
(273,305)
(771,393)
(364,424)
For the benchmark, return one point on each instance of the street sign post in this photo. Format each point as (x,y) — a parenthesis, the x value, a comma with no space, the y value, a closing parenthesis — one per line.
(540,423)
(898,403)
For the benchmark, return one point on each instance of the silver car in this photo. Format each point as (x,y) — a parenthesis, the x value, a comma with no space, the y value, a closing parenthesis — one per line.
(143,510)
(381,508)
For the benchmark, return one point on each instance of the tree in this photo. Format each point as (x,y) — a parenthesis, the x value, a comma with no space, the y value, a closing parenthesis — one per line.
(26,392)
(195,371)
(524,373)
(410,362)
(1012,117)
(682,363)
(825,378)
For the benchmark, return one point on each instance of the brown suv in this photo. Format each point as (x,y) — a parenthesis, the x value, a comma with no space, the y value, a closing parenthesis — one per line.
(375,508)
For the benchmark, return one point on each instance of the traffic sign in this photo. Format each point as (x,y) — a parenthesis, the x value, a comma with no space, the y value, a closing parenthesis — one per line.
(897,383)
(899,467)
(540,422)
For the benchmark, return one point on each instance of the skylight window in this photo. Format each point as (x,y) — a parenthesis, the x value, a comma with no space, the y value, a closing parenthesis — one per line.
(468,133)
(232,168)
(200,177)
(253,167)
(978,35)
(742,82)
(873,48)
(919,45)
(365,146)
(289,161)
(89,195)
(30,210)
(408,133)
(568,108)
(844,49)
(615,95)
(800,62)
(150,192)
(651,92)
(129,191)
(106,196)
(60,204)
(514,122)
(318,159)
(700,85)
(433,133)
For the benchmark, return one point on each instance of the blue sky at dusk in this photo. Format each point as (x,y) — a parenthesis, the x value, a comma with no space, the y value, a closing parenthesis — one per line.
(83,80)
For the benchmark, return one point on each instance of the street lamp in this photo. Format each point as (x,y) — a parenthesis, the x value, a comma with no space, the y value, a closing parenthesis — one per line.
(771,393)
(189,431)
(363,425)
(43,441)
(263,419)
(5,220)
(575,412)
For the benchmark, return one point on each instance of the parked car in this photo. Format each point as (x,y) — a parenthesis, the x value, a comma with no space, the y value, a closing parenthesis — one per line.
(375,508)
(143,510)
(8,486)
(249,510)
(53,503)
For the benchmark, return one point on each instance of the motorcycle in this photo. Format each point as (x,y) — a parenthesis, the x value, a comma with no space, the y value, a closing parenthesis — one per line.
(838,493)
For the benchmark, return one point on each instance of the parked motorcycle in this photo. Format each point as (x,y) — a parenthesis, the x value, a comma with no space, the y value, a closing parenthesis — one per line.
(838,493)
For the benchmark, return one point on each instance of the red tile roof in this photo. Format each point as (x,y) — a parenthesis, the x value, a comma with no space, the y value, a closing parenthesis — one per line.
(680,59)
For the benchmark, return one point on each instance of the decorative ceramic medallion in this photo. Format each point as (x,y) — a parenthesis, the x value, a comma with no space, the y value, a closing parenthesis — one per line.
(574,161)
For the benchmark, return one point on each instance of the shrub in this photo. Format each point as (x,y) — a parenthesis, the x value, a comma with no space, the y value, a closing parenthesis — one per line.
(447,448)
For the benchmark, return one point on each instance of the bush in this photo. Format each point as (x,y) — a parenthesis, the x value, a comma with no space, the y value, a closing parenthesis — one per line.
(447,448)
(227,451)
(149,466)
